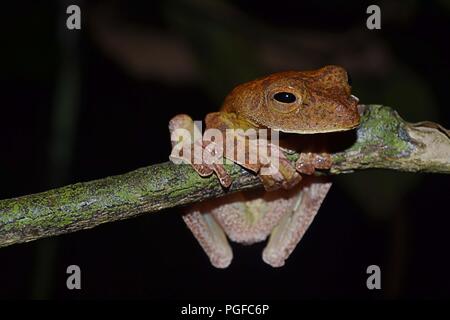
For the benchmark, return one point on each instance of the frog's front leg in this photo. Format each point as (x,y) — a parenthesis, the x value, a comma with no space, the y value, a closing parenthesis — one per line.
(292,226)
(260,155)
(192,150)
(307,163)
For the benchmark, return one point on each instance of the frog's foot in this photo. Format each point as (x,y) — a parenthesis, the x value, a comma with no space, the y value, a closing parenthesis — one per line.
(279,172)
(188,147)
(273,168)
(280,175)
(307,163)
(264,158)
(210,235)
(244,147)
(293,225)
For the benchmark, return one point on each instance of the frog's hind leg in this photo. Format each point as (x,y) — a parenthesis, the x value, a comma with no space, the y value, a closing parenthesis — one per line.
(291,228)
(210,235)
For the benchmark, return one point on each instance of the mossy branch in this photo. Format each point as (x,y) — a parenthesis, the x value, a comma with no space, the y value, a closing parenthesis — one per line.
(383,140)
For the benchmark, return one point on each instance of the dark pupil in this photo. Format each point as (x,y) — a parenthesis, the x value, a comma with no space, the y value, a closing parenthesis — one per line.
(285,97)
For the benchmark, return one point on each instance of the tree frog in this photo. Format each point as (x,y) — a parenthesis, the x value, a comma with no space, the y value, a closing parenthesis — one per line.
(294,103)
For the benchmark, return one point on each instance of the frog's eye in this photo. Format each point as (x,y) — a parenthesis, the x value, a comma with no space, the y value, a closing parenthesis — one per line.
(285,97)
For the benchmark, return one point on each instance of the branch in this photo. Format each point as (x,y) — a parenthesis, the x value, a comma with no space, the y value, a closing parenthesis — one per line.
(383,140)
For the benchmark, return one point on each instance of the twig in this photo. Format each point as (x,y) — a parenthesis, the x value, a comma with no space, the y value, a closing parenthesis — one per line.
(383,140)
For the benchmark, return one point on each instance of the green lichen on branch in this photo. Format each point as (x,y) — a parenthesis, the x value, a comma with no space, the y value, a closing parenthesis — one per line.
(383,140)
(86,205)
(381,135)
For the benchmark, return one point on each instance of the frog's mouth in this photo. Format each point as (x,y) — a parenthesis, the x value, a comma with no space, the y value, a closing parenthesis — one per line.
(350,123)
(314,131)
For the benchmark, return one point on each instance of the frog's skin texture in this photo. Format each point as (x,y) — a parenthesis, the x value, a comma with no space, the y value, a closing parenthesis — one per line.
(293,102)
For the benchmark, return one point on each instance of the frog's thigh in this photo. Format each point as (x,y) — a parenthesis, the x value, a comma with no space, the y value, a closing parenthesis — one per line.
(210,235)
(291,228)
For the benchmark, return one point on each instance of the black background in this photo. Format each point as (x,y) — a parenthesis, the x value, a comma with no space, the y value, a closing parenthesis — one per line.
(113,119)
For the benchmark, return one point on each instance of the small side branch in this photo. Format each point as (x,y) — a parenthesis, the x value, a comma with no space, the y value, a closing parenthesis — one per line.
(384,140)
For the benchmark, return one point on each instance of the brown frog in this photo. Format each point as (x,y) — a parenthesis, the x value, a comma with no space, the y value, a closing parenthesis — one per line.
(292,102)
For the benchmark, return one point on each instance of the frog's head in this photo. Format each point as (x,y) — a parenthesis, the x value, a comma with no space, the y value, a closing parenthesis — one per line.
(298,102)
